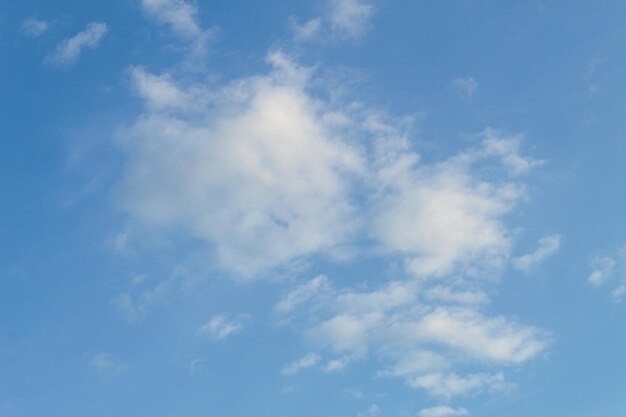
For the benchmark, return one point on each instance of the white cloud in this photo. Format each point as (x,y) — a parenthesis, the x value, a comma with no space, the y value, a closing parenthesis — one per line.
(445,217)
(418,341)
(220,326)
(610,268)
(255,171)
(267,174)
(507,148)
(343,19)
(107,362)
(619,292)
(452,385)
(136,306)
(159,91)
(354,392)
(548,246)
(260,170)
(69,50)
(289,389)
(464,331)
(307,361)
(303,294)
(196,365)
(469,332)
(465,86)
(413,362)
(350,17)
(603,270)
(448,295)
(180,15)
(338,364)
(443,411)
(34,27)
(307,31)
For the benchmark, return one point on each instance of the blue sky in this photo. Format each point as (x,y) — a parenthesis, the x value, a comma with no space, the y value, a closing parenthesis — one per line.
(324,208)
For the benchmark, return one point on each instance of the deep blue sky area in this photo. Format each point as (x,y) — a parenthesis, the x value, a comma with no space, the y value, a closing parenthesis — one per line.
(350,208)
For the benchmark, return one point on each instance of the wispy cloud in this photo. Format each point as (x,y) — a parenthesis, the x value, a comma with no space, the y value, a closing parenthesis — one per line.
(350,17)
(107,362)
(307,361)
(399,328)
(135,305)
(372,411)
(443,411)
(354,392)
(69,50)
(307,31)
(34,27)
(196,365)
(548,246)
(603,270)
(452,385)
(466,87)
(344,19)
(608,269)
(162,93)
(508,149)
(220,326)
(181,17)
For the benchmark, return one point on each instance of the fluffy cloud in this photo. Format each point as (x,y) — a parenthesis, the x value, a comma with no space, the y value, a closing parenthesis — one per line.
(268,173)
(69,50)
(447,220)
(160,92)
(253,169)
(220,326)
(34,27)
(548,246)
(444,216)
(443,411)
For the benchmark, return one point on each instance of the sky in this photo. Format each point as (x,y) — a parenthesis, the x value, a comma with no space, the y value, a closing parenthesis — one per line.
(346,208)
